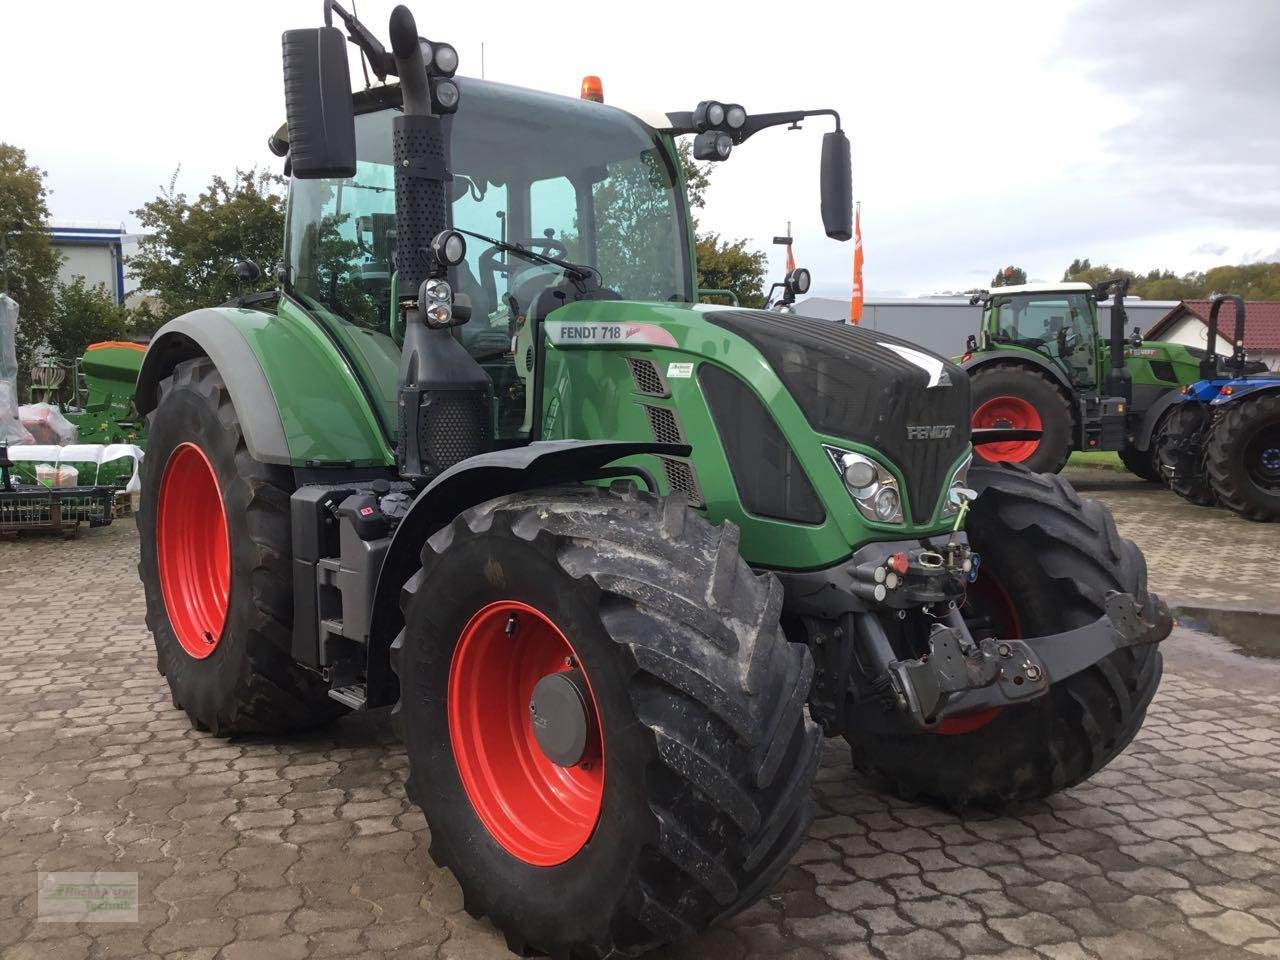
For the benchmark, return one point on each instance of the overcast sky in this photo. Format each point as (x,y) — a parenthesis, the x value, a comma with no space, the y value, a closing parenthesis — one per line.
(1137,132)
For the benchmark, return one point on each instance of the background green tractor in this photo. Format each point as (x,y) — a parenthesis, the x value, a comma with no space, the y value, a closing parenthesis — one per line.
(1039,362)
(616,559)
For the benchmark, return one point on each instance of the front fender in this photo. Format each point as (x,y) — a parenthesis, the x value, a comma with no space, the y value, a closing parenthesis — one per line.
(464,485)
(1153,415)
(1246,388)
(298,401)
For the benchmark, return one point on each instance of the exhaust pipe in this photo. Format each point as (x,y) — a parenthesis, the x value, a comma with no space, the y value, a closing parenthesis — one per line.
(1119,381)
(444,395)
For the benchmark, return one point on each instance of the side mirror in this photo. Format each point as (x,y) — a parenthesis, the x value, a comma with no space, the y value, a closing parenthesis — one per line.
(837,186)
(246,271)
(317,103)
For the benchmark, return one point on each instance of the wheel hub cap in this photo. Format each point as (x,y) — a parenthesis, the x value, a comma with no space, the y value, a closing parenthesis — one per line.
(558,714)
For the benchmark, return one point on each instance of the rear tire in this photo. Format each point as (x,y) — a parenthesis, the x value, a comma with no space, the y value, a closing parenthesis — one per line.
(1012,395)
(1242,458)
(706,753)
(226,652)
(1180,449)
(1056,557)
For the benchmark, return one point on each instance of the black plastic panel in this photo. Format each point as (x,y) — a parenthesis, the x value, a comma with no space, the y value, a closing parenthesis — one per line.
(770,481)
(850,385)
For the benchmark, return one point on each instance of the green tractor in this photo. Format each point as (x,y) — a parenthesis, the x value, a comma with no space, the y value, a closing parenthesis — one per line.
(1039,363)
(615,559)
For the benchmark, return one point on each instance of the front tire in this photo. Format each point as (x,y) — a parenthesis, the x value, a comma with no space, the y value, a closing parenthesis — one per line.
(1180,450)
(215,566)
(1243,458)
(1141,463)
(698,752)
(1052,558)
(1011,395)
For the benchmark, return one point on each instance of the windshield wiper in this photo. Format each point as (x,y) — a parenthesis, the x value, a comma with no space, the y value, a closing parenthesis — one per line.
(572,269)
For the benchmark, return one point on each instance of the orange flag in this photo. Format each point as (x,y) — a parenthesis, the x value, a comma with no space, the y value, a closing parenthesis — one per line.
(855,302)
(791,257)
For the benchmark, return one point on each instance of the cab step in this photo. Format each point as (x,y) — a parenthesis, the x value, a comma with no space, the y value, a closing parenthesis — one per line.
(352,695)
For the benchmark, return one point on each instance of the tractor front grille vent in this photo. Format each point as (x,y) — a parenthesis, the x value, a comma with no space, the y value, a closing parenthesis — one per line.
(647,378)
(682,480)
(664,425)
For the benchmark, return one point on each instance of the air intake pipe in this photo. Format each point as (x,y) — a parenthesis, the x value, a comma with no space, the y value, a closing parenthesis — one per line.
(444,395)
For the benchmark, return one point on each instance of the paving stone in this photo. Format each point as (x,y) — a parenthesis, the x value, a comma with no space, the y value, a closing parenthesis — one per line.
(307,846)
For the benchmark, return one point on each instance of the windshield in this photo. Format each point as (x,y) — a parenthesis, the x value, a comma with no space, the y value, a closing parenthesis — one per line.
(577,181)
(1059,325)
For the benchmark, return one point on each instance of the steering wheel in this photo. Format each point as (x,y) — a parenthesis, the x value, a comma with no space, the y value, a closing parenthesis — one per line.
(490,262)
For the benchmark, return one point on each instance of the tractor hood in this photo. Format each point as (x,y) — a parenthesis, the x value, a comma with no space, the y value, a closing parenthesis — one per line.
(863,385)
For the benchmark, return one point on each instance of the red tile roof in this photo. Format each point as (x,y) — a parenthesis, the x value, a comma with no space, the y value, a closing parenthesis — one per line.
(1261,325)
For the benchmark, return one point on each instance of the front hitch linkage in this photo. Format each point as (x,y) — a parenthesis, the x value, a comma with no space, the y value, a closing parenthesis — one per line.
(948,681)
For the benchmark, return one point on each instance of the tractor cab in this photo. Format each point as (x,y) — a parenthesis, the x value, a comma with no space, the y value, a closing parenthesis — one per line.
(1058,322)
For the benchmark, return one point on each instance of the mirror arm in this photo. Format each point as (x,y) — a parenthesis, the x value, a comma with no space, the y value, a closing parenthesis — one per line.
(382,64)
(680,122)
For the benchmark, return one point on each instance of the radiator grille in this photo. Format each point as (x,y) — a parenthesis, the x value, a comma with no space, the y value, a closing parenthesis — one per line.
(647,378)
(664,425)
(682,480)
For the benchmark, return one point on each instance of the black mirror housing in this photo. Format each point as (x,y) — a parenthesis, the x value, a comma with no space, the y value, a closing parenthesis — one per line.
(837,186)
(317,102)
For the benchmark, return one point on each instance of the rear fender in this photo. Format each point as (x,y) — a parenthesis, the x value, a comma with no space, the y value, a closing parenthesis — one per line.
(325,419)
(1024,358)
(474,481)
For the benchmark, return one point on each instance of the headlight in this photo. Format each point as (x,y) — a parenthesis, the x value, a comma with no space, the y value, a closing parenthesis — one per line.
(959,480)
(872,487)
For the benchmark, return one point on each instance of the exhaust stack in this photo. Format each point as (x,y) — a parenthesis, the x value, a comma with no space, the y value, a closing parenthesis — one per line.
(444,395)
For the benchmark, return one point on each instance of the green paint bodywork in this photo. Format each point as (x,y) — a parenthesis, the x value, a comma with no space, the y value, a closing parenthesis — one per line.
(589,394)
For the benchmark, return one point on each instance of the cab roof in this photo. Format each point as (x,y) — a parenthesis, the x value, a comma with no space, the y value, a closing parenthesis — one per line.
(1068,286)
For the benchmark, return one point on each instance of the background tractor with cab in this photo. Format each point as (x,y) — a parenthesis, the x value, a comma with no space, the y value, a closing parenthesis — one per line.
(1039,362)
(1221,442)
(616,559)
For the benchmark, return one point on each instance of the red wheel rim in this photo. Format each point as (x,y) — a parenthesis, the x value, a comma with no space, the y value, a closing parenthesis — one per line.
(1007,412)
(540,813)
(193,550)
(988,595)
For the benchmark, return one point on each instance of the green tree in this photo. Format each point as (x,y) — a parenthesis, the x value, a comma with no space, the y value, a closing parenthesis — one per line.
(29,267)
(1253,281)
(83,315)
(1008,277)
(722,264)
(185,257)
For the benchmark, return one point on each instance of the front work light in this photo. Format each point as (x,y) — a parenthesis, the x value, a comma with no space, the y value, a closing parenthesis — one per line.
(735,115)
(445,59)
(449,248)
(712,145)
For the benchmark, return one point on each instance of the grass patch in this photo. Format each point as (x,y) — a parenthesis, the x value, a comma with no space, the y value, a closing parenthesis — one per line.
(1096,460)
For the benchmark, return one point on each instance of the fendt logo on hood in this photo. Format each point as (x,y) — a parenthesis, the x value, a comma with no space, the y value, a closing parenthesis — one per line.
(934,431)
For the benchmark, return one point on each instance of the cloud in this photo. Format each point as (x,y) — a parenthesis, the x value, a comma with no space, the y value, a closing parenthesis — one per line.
(1212,249)
(1200,83)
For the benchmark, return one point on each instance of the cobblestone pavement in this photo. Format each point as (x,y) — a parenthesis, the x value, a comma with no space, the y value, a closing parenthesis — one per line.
(307,848)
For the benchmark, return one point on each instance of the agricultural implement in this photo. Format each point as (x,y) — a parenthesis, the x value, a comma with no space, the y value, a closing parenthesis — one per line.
(1221,443)
(1039,362)
(616,559)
